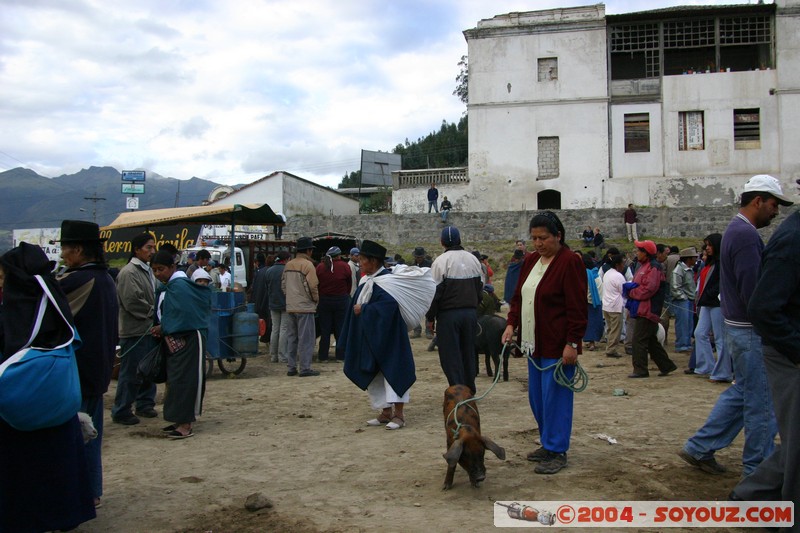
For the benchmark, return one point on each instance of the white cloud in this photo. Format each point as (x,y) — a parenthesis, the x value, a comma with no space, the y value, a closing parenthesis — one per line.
(232,91)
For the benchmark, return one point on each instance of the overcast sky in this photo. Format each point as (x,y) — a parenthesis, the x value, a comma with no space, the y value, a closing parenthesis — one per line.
(231,91)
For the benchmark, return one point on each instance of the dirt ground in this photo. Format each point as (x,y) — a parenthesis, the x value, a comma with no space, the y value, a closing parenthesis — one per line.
(303,443)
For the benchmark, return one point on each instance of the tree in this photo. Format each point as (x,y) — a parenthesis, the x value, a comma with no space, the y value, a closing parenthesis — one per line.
(350,181)
(462,81)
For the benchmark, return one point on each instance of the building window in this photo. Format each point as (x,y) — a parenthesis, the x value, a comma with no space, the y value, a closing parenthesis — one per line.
(746,134)
(634,51)
(548,68)
(691,135)
(637,132)
(548,157)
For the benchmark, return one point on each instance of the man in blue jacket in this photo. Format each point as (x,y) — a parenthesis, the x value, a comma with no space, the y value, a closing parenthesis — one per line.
(747,403)
(433,196)
(775,312)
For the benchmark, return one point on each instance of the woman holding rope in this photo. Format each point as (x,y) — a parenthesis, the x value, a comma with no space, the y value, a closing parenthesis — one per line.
(549,308)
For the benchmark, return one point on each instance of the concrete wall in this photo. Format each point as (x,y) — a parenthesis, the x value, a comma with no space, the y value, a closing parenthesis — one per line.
(404,232)
(787,93)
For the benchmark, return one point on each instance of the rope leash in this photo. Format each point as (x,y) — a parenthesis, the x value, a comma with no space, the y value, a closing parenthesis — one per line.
(578,382)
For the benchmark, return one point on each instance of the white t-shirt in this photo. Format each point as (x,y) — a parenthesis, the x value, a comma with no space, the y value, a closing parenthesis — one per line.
(225,281)
(613,301)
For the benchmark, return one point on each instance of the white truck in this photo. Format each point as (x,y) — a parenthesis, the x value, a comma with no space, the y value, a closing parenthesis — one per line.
(221,254)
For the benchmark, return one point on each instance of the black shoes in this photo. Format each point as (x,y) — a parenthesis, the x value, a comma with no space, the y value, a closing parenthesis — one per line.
(552,464)
(637,375)
(307,373)
(538,455)
(147,413)
(709,466)
(129,420)
(291,373)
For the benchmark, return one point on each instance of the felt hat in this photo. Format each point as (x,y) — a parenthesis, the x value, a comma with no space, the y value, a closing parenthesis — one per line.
(688,252)
(373,249)
(647,246)
(79,231)
(419,251)
(768,184)
(304,243)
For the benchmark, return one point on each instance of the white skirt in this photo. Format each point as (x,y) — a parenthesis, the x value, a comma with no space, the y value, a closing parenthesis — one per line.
(381,394)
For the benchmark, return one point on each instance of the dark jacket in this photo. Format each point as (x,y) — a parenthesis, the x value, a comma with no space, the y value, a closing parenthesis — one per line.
(710,295)
(92,297)
(559,304)
(740,264)
(775,306)
(186,307)
(275,296)
(433,194)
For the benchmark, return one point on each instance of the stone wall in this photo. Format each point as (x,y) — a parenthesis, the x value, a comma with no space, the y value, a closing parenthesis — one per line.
(658,223)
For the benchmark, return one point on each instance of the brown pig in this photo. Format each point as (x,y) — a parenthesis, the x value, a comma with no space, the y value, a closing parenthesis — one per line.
(467,446)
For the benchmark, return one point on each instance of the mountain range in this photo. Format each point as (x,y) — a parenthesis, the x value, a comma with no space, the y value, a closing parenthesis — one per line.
(29,200)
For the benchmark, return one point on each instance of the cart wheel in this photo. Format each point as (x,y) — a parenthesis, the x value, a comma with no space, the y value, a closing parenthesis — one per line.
(229,368)
(209,365)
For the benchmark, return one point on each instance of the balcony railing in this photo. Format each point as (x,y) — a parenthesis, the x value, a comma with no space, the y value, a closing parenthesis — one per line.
(406,179)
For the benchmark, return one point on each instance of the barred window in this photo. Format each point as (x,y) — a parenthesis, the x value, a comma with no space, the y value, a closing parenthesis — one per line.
(746,129)
(637,132)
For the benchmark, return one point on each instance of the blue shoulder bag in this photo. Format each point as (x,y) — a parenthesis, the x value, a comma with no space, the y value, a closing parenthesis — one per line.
(40,387)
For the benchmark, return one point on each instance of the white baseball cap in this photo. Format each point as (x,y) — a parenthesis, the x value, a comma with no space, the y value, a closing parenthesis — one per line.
(768,184)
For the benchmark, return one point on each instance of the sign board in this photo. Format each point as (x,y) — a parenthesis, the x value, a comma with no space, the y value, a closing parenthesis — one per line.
(41,237)
(133,175)
(133,188)
(132,203)
(377,167)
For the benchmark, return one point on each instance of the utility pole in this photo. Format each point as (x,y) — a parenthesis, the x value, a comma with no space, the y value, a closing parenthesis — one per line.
(94,200)
(178,194)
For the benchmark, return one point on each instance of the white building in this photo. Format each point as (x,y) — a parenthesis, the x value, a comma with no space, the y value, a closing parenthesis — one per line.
(572,108)
(291,195)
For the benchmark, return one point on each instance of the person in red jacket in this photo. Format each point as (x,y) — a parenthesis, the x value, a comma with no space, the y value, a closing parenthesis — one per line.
(650,294)
(335,281)
(549,308)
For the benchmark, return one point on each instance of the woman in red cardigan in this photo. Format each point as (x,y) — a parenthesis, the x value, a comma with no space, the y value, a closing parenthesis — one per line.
(549,308)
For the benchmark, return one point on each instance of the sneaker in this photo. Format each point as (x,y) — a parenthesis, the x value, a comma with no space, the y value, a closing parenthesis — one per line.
(291,373)
(147,413)
(709,466)
(538,455)
(129,420)
(307,373)
(554,463)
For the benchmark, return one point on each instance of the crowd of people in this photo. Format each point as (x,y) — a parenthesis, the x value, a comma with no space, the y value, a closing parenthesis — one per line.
(735,304)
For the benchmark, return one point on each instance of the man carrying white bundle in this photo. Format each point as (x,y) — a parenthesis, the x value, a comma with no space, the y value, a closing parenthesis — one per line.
(377,350)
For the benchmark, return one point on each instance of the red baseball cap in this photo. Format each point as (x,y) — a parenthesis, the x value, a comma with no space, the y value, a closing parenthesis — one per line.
(647,246)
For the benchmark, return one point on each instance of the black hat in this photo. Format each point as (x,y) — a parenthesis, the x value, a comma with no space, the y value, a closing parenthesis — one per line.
(79,231)
(304,243)
(419,251)
(372,249)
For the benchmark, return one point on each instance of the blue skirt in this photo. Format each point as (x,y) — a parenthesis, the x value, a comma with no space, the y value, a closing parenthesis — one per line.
(594,329)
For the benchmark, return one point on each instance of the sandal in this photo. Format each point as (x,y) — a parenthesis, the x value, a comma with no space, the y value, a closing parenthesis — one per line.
(396,423)
(175,434)
(381,420)
(170,428)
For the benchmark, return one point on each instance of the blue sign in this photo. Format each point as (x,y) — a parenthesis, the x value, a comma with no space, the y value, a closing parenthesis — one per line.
(133,175)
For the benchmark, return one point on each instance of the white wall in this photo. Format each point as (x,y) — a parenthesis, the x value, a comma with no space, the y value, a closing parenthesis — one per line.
(510,109)
(636,164)
(292,196)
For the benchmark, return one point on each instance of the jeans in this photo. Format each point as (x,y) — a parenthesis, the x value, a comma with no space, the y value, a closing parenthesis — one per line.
(709,319)
(93,406)
(130,387)
(277,341)
(332,310)
(444,214)
(684,324)
(432,205)
(745,404)
(300,337)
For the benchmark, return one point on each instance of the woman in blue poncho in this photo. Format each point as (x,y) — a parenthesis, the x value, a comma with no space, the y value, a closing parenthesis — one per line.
(182,310)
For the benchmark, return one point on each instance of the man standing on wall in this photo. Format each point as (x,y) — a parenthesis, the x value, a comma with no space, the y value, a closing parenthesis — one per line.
(433,197)
(747,403)
(630,223)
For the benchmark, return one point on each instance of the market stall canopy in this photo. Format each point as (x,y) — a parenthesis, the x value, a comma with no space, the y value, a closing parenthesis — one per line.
(207,214)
